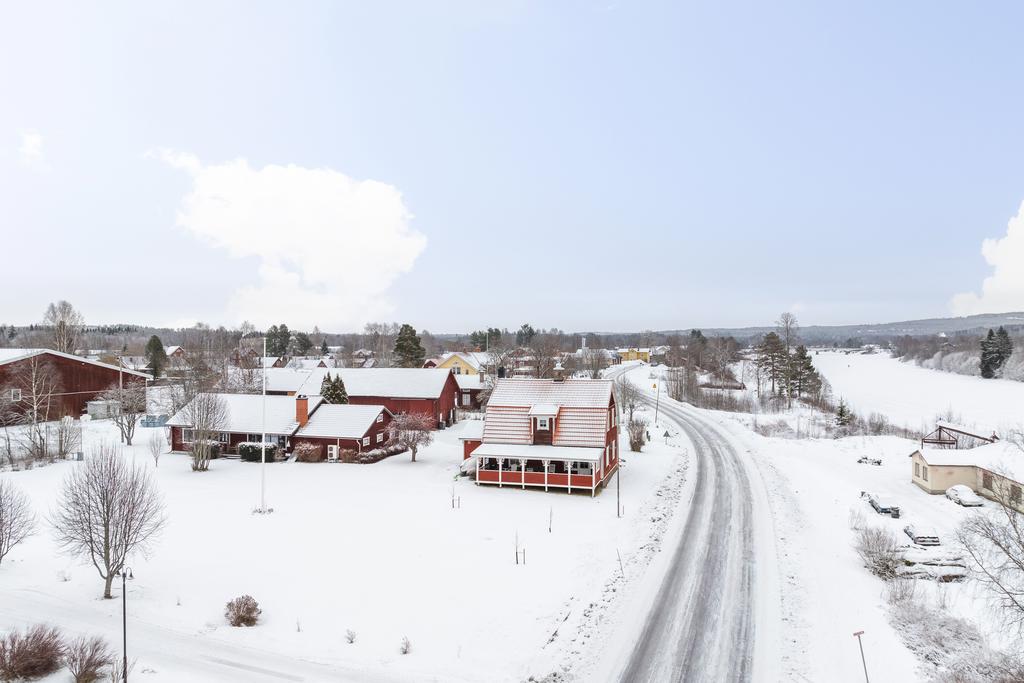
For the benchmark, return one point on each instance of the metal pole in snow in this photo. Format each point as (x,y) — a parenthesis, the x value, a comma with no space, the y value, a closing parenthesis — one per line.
(863,661)
(657,402)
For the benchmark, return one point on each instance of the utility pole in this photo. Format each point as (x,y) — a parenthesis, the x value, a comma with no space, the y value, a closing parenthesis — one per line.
(657,402)
(263,442)
(858,634)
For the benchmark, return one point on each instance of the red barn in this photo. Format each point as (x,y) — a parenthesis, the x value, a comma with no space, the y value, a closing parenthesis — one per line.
(427,391)
(56,383)
(548,433)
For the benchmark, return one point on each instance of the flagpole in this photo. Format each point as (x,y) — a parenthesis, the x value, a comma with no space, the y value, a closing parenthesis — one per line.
(263,442)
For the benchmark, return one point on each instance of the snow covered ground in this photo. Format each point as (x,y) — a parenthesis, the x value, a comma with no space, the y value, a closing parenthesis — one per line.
(913,396)
(377,549)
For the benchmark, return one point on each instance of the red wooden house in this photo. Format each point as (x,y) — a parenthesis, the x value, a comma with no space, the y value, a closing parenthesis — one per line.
(69,382)
(288,421)
(431,392)
(548,433)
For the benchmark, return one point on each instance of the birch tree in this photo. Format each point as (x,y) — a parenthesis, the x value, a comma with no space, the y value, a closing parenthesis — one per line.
(131,405)
(64,324)
(108,510)
(207,414)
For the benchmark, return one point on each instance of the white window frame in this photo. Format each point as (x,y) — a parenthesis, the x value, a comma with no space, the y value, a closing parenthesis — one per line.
(366,441)
(188,435)
(15,394)
(543,424)
(380,437)
(380,418)
(924,472)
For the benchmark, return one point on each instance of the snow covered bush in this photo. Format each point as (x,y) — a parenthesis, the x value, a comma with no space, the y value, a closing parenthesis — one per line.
(637,431)
(350,636)
(34,653)
(878,548)
(86,659)
(250,451)
(406,647)
(307,452)
(243,611)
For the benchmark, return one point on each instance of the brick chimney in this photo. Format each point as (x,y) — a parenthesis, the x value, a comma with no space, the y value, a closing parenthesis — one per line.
(301,410)
(559,372)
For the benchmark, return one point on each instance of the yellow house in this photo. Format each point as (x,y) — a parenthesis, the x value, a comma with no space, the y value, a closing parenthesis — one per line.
(634,353)
(995,471)
(464,362)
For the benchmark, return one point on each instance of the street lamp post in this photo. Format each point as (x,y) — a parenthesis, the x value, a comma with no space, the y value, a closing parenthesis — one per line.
(126,573)
(858,634)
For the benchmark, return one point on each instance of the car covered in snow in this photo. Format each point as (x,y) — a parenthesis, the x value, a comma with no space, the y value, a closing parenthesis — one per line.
(963,495)
(865,460)
(921,535)
(882,506)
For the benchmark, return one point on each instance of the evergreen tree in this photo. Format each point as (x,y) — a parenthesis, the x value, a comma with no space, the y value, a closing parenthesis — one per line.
(989,356)
(156,356)
(1003,346)
(333,390)
(409,351)
(323,348)
(844,417)
(801,373)
(772,360)
(302,343)
(525,335)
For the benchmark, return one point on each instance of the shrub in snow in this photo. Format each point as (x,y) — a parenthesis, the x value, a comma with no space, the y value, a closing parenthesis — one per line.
(86,659)
(878,549)
(17,521)
(251,451)
(350,636)
(307,452)
(637,431)
(900,590)
(243,611)
(34,653)
(406,647)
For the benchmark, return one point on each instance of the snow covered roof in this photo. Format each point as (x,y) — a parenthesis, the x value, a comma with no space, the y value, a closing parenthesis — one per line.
(245,414)
(11,355)
(573,393)
(469,381)
(477,360)
(171,350)
(543,410)
(506,450)
(389,382)
(473,430)
(341,421)
(1000,457)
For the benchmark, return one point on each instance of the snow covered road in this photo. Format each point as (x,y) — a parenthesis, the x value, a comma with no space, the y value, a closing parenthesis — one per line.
(703,621)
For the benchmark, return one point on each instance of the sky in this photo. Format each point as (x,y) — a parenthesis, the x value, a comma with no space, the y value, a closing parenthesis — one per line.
(592,166)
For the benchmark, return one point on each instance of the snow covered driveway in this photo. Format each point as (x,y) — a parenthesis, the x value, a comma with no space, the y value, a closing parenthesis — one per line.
(719,583)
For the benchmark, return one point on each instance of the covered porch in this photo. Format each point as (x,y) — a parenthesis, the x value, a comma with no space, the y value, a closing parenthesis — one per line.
(547,467)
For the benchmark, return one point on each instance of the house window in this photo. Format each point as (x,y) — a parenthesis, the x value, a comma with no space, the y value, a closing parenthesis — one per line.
(366,441)
(224,437)
(187,435)
(1015,494)
(924,472)
(380,437)
(917,469)
(986,481)
(380,418)
(15,395)
(543,423)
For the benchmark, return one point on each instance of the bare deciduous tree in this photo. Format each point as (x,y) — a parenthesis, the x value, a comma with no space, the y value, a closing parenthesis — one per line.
(108,510)
(994,541)
(627,396)
(64,437)
(593,362)
(17,521)
(65,325)
(207,414)
(412,431)
(38,384)
(156,446)
(130,400)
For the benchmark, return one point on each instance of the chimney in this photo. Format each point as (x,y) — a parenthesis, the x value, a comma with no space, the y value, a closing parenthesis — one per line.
(301,410)
(559,371)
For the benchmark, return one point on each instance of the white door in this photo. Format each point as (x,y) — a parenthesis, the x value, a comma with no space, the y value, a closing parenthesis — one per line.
(332,452)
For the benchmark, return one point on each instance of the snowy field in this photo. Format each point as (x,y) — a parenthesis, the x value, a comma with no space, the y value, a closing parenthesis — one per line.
(377,549)
(913,396)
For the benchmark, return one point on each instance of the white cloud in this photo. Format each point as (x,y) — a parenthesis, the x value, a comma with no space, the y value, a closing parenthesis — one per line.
(329,246)
(1003,290)
(31,149)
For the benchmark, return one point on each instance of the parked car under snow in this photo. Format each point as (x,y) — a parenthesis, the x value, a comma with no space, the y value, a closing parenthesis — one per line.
(865,460)
(882,506)
(963,495)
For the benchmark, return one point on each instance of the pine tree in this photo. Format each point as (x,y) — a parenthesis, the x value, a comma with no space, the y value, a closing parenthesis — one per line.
(989,356)
(323,348)
(801,372)
(771,359)
(844,417)
(409,351)
(333,390)
(1003,347)
(156,356)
